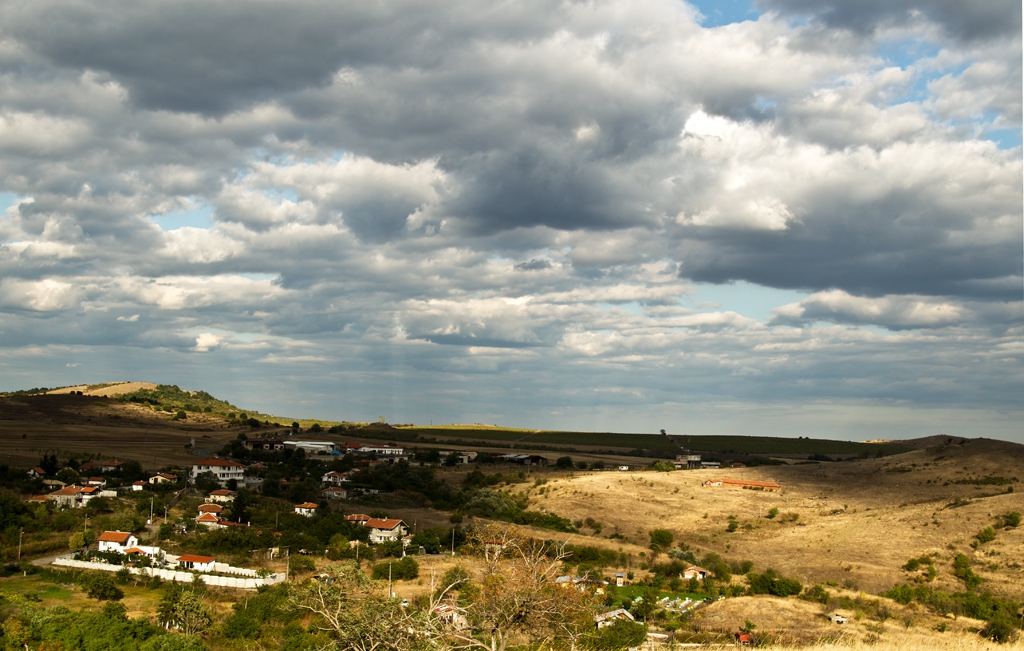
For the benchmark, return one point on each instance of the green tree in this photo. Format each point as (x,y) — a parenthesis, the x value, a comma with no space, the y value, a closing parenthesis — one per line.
(101,586)
(622,634)
(661,539)
(190,614)
(565,463)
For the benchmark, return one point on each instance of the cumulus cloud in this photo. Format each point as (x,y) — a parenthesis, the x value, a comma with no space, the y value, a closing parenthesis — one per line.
(510,190)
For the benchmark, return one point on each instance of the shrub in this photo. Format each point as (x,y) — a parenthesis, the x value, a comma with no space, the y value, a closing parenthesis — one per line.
(1011,519)
(771,583)
(772,512)
(986,535)
(564,462)
(733,526)
(664,466)
(405,569)
(622,634)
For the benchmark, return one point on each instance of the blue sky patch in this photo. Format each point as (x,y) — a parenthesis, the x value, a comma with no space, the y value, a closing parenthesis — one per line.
(725,12)
(201,217)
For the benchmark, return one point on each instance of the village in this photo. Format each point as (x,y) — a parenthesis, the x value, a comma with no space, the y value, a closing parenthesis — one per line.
(328,475)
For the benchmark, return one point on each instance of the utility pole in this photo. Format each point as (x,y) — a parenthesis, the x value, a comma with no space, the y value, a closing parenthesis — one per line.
(151,509)
(390,593)
(20,534)
(453,541)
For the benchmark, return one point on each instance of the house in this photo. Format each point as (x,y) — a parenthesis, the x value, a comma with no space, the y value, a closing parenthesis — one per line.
(334,493)
(307,509)
(196,562)
(452,615)
(358,518)
(223,469)
(749,484)
(620,579)
(210,508)
(385,529)
(208,520)
(117,541)
(163,478)
(221,495)
(36,473)
(101,466)
(96,481)
(74,496)
(87,493)
(138,486)
(694,572)
(610,617)
(334,478)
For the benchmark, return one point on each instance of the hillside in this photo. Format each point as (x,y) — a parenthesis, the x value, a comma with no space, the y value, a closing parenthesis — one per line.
(853,523)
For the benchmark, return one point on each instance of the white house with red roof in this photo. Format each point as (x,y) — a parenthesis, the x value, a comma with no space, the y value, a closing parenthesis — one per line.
(196,562)
(117,541)
(210,508)
(36,473)
(163,478)
(223,469)
(307,509)
(358,518)
(222,495)
(138,485)
(208,520)
(334,478)
(386,529)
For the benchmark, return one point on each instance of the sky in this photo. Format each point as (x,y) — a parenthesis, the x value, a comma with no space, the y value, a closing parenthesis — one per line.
(769,217)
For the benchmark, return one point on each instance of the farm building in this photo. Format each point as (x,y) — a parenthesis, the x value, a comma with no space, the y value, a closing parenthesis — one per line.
(609,618)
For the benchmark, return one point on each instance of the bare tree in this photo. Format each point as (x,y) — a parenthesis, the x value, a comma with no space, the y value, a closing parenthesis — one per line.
(518,601)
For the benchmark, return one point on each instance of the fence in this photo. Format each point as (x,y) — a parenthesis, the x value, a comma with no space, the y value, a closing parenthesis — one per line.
(251,582)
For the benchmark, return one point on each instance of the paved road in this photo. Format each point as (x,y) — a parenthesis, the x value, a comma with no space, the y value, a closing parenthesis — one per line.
(43,561)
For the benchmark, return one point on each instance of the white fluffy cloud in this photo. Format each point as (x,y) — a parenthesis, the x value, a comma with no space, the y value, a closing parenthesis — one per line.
(483,212)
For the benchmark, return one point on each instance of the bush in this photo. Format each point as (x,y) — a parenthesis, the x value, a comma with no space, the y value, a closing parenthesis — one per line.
(986,535)
(1011,519)
(664,466)
(241,625)
(771,583)
(405,569)
(564,463)
(772,512)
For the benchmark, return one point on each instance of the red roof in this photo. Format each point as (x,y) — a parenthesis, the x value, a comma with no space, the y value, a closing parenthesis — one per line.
(222,492)
(357,517)
(39,471)
(208,517)
(307,505)
(138,483)
(383,523)
(193,558)
(210,508)
(134,550)
(68,490)
(119,537)
(218,462)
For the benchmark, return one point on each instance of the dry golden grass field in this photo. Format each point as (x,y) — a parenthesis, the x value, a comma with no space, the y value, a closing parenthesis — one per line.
(857,522)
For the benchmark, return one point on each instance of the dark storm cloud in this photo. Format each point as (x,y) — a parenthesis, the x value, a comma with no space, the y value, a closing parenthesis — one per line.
(964,20)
